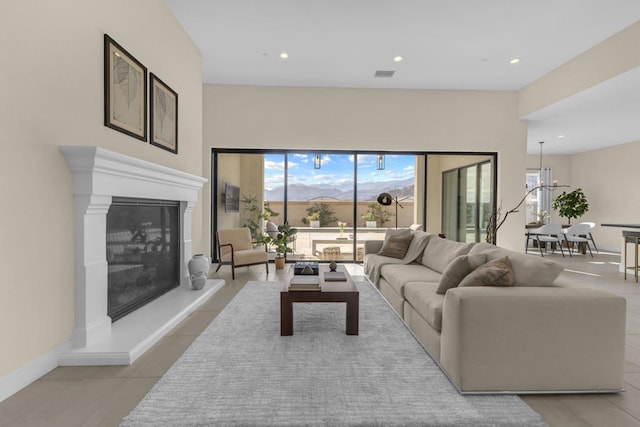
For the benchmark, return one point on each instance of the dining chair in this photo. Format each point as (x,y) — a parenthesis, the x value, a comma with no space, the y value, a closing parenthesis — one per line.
(592,225)
(530,234)
(575,235)
(549,234)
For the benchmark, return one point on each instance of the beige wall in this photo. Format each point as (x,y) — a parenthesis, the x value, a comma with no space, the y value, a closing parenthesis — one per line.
(52,94)
(609,178)
(343,211)
(371,119)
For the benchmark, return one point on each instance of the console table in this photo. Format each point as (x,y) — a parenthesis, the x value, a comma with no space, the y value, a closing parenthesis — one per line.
(622,261)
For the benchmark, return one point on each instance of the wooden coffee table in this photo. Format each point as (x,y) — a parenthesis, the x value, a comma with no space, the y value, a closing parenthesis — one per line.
(346,292)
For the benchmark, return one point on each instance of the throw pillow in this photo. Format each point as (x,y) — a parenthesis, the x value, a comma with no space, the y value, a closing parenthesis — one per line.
(396,246)
(396,232)
(458,269)
(494,273)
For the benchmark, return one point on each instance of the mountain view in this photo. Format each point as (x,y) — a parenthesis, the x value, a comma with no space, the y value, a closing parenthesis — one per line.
(342,191)
(335,176)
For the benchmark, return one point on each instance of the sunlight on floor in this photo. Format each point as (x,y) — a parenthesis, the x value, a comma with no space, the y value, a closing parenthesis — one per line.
(582,272)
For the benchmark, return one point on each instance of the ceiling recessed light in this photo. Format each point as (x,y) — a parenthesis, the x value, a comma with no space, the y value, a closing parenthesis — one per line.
(560,136)
(397,59)
(514,61)
(284,55)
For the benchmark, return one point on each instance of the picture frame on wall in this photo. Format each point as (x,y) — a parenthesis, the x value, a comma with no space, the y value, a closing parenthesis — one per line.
(164,115)
(125,91)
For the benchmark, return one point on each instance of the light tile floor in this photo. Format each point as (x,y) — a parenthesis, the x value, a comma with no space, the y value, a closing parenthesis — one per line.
(102,396)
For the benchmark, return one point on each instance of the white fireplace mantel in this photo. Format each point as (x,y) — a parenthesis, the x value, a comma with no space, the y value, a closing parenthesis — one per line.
(98,175)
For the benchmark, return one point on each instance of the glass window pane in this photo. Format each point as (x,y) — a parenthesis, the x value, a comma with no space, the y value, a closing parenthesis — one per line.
(485,198)
(320,205)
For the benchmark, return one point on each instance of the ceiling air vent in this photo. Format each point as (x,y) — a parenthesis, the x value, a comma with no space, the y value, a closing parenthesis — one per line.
(382,73)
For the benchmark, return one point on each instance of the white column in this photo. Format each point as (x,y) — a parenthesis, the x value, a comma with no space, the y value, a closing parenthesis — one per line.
(186,210)
(91,320)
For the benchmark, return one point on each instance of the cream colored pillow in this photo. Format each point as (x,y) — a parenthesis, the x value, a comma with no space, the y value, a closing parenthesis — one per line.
(494,273)
(458,269)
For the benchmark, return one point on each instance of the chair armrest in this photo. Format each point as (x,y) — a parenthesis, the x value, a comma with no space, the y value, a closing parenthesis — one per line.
(372,246)
(220,252)
(533,338)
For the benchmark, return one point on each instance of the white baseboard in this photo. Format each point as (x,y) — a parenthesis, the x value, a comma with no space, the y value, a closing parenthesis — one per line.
(16,380)
(130,338)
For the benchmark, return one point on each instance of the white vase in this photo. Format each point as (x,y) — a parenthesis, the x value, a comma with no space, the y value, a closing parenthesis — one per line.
(371,224)
(199,262)
(198,280)
(314,224)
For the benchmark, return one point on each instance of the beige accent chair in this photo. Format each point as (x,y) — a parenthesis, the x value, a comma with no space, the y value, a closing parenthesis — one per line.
(235,248)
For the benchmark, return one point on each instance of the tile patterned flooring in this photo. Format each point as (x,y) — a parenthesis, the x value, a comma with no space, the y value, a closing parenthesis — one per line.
(102,396)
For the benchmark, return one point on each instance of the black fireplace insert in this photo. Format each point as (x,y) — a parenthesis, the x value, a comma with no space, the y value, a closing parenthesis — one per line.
(143,252)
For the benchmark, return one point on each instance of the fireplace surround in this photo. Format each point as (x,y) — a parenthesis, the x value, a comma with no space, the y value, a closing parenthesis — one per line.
(99,175)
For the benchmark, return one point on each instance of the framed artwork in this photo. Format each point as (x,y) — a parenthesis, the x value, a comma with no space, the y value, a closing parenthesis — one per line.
(125,91)
(164,115)
(231,198)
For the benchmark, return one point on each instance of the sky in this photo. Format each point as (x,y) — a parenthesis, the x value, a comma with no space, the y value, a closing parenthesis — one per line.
(335,169)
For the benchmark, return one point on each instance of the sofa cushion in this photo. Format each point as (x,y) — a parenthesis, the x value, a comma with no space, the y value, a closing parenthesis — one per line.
(440,252)
(398,275)
(396,246)
(423,298)
(494,273)
(458,269)
(528,270)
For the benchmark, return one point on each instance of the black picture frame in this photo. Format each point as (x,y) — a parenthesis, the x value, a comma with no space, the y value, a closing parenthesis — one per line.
(163,124)
(125,91)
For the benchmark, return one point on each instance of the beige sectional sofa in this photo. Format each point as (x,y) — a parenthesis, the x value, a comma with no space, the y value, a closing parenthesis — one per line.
(539,335)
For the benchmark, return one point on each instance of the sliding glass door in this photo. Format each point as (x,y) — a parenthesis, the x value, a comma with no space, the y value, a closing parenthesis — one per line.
(467,202)
(337,200)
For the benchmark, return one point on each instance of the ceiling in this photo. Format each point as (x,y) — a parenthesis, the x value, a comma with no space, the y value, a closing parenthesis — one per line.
(444,44)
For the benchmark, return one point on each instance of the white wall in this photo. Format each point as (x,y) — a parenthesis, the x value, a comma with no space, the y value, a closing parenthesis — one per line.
(375,119)
(51,83)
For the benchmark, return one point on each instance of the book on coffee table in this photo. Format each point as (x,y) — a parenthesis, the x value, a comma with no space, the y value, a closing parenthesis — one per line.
(294,288)
(334,276)
(302,279)
(304,283)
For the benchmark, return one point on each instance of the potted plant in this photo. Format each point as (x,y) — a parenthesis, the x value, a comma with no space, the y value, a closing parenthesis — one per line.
(571,205)
(279,243)
(322,214)
(376,215)
(314,220)
(370,219)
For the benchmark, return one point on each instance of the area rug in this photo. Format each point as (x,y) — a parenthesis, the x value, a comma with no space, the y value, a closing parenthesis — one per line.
(241,372)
